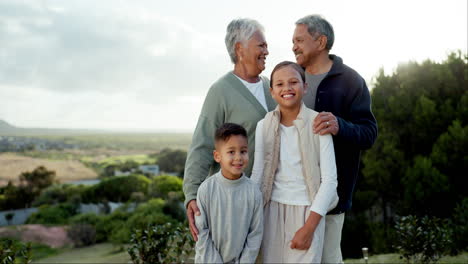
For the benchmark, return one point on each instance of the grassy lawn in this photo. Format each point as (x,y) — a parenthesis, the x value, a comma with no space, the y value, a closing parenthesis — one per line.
(394,258)
(99,253)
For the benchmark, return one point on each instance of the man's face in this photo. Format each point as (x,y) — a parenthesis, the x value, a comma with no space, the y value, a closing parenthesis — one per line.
(305,46)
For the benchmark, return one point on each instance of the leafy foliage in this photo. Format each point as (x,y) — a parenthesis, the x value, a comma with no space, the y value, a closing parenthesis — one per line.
(162,185)
(82,234)
(117,189)
(166,243)
(422,240)
(171,160)
(53,215)
(422,114)
(460,227)
(12,251)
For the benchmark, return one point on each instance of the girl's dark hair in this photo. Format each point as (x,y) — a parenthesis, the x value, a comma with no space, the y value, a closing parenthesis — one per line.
(226,130)
(295,66)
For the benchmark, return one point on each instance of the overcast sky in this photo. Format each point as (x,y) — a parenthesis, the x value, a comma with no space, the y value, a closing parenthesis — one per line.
(148,64)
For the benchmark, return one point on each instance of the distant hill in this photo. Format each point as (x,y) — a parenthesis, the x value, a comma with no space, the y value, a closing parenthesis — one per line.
(6,126)
(6,129)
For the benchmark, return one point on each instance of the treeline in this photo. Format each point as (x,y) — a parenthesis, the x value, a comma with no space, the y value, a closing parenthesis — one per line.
(417,164)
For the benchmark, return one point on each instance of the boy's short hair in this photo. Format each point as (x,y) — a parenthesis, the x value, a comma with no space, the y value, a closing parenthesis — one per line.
(226,130)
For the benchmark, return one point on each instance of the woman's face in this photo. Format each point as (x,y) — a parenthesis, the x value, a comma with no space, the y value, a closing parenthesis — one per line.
(253,55)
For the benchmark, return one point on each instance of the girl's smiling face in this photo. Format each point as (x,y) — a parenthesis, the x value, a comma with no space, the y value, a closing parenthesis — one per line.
(287,87)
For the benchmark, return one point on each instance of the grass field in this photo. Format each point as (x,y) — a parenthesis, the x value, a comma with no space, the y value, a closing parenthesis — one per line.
(99,253)
(153,142)
(107,253)
(395,258)
(12,165)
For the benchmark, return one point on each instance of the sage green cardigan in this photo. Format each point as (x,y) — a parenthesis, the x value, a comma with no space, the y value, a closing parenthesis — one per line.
(228,100)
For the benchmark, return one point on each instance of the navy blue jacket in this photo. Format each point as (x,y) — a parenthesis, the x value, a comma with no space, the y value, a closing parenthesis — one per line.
(344,93)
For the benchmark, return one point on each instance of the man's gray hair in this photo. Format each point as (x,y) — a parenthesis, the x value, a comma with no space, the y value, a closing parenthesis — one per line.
(317,24)
(240,30)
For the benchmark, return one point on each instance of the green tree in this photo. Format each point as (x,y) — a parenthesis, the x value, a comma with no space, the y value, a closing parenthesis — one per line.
(37,180)
(171,160)
(422,113)
(162,185)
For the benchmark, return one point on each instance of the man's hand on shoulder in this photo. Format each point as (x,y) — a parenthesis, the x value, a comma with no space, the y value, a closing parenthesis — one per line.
(326,123)
(192,210)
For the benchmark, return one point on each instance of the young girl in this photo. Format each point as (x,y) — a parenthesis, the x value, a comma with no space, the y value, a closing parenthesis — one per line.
(296,172)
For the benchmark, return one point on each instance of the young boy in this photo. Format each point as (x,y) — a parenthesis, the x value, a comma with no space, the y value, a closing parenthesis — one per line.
(230,222)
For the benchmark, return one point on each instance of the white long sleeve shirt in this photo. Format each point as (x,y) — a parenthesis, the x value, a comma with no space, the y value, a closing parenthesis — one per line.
(289,186)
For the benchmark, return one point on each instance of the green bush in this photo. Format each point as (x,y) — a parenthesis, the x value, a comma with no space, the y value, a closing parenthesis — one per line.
(60,194)
(460,227)
(117,189)
(162,185)
(13,251)
(166,243)
(422,240)
(174,206)
(150,213)
(108,225)
(53,215)
(82,235)
(88,218)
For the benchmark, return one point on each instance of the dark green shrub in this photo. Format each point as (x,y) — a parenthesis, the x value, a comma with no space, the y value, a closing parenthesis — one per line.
(117,189)
(162,185)
(147,214)
(166,243)
(460,227)
(422,240)
(82,234)
(109,224)
(174,206)
(60,194)
(88,218)
(53,215)
(9,217)
(13,251)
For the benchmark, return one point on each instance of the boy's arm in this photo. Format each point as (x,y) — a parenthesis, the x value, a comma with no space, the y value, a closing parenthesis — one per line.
(205,250)
(255,235)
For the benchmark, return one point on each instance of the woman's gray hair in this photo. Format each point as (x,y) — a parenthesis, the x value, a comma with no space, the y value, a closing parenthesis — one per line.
(240,30)
(318,24)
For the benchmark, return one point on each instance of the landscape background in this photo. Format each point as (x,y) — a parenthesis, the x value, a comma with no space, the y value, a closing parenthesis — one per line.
(99,100)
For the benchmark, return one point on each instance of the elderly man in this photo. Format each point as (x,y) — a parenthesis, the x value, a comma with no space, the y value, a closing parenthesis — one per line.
(241,96)
(342,97)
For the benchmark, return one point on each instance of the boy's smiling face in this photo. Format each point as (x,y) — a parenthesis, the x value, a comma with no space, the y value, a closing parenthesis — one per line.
(232,155)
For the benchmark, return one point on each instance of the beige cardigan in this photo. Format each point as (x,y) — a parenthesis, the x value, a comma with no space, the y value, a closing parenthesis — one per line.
(309,145)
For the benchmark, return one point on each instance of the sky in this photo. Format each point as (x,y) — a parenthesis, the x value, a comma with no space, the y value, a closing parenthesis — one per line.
(148,64)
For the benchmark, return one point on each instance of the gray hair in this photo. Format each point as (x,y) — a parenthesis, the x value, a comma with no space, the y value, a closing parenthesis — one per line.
(318,24)
(240,30)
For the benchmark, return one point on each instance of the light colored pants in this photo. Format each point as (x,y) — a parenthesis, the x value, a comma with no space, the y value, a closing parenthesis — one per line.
(281,223)
(332,245)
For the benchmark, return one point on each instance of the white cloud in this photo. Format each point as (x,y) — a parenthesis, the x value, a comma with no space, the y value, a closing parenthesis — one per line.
(149,64)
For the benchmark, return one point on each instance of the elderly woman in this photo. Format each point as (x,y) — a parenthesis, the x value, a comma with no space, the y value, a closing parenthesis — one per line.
(240,96)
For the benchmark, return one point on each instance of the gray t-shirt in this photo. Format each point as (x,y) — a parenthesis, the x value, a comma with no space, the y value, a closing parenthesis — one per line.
(313,82)
(230,223)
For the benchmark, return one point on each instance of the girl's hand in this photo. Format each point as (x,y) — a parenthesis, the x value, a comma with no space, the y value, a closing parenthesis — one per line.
(303,238)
